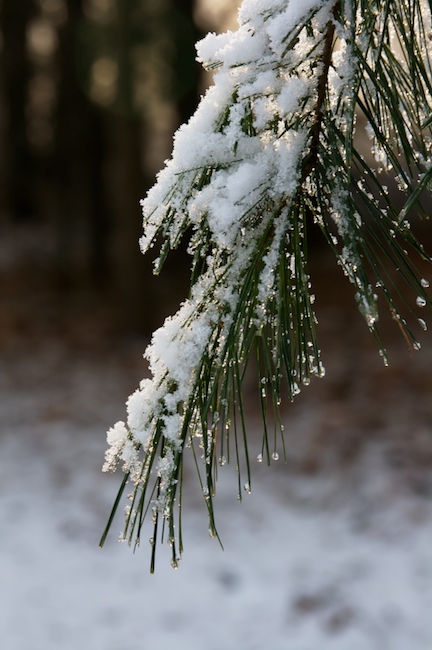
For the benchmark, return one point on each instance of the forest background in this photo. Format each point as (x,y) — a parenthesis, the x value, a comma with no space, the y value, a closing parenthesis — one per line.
(91,93)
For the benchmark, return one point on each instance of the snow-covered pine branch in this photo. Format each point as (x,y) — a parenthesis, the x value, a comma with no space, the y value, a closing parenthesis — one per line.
(270,147)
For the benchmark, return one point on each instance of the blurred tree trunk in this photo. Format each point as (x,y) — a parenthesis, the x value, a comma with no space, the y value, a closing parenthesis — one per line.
(126,186)
(188,102)
(16,73)
(82,215)
(141,298)
(182,91)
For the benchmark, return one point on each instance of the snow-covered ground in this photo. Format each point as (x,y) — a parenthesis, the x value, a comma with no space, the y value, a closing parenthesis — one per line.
(331,551)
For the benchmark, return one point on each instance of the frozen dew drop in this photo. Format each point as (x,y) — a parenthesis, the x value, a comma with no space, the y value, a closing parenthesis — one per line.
(222,461)
(424,283)
(416,345)
(175,563)
(420,301)
(259,458)
(423,324)
(247,487)
(275,455)
(306,381)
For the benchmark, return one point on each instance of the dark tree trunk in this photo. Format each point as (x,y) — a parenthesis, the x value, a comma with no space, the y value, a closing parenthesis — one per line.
(188,101)
(16,72)
(82,216)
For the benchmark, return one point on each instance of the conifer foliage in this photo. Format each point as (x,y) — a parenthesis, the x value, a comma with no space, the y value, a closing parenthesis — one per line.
(269,152)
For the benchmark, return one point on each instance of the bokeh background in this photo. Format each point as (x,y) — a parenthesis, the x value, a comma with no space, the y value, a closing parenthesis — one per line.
(91,93)
(332,549)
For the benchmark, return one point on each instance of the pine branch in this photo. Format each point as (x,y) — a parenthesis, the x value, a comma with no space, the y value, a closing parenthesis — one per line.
(271,148)
(311,159)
